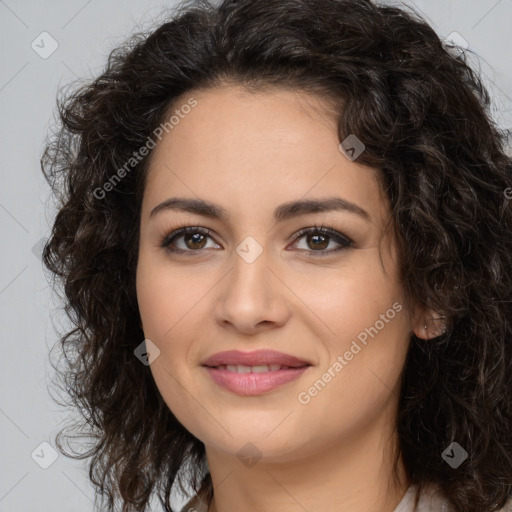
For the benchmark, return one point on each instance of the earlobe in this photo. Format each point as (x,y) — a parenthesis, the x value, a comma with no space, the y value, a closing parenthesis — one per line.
(432,328)
(428,324)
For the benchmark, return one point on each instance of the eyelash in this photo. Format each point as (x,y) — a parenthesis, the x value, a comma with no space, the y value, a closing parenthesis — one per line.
(343,240)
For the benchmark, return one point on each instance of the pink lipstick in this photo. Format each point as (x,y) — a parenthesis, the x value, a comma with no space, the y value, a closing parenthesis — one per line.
(254,373)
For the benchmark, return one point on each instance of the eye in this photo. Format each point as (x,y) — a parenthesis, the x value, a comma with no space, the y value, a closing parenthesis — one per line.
(194,239)
(321,237)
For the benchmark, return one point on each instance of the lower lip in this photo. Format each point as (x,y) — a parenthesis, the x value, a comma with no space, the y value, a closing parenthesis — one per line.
(254,383)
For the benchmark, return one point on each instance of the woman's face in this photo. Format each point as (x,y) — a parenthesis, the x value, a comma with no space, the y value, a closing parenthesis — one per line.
(254,282)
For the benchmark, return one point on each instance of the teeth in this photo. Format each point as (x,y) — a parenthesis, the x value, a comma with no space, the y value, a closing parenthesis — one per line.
(260,369)
(240,368)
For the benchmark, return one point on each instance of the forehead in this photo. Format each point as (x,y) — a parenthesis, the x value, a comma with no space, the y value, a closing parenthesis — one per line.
(247,150)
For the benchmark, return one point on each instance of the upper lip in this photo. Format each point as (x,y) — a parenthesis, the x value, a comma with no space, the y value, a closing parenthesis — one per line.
(254,358)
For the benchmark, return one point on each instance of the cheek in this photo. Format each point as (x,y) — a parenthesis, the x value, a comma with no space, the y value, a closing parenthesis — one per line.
(166,303)
(167,299)
(359,317)
(170,302)
(359,378)
(343,301)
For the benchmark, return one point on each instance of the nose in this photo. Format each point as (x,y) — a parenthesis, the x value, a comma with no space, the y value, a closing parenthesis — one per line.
(252,297)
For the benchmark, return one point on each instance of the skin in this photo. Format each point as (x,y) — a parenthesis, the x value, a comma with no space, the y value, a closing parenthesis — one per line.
(249,153)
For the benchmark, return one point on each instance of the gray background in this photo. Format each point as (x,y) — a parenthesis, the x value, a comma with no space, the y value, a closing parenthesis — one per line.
(85,32)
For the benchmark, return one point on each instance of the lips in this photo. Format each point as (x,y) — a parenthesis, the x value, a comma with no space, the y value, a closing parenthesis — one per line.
(254,373)
(255,359)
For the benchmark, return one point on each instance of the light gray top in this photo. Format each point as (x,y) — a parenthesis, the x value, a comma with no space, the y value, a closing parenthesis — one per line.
(431,500)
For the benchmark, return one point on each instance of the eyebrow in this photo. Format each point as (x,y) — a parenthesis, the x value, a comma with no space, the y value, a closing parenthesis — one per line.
(283,212)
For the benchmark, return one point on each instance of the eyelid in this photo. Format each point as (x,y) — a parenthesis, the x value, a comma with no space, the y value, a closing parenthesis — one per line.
(340,238)
(326,229)
(177,232)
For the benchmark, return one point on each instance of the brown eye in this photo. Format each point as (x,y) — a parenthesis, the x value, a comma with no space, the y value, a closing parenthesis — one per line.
(317,239)
(194,239)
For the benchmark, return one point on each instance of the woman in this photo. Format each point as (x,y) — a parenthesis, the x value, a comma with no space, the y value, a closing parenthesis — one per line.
(284,240)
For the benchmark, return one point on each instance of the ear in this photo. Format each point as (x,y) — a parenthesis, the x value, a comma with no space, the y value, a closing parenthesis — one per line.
(427,324)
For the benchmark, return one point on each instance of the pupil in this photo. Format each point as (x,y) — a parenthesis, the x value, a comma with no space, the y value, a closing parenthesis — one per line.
(196,238)
(316,238)
(319,241)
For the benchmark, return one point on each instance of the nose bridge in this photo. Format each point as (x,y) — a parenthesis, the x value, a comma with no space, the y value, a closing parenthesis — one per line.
(250,295)
(250,270)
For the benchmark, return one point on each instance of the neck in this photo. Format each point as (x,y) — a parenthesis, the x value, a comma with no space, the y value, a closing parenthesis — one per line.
(354,475)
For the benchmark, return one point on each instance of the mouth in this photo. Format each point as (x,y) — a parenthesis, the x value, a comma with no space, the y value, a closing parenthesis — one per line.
(257,359)
(262,368)
(254,373)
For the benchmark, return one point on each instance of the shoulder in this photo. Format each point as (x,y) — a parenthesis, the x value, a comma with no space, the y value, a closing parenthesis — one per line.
(199,502)
(508,506)
(432,499)
(196,504)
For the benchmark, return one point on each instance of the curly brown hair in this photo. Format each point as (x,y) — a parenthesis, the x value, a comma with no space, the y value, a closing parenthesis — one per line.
(423,116)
